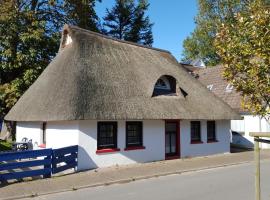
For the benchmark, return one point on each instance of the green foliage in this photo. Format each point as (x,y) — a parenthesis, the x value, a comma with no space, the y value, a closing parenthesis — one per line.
(5,146)
(82,14)
(127,21)
(28,41)
(244,47)
(30,34)
(200,44)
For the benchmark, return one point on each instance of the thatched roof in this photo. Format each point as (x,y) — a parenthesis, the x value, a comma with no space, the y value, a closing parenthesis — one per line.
(96,77)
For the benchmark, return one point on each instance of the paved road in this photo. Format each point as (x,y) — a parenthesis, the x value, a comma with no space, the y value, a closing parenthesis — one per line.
(234,182)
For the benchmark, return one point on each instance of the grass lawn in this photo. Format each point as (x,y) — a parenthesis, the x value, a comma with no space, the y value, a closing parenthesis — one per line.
(5,146)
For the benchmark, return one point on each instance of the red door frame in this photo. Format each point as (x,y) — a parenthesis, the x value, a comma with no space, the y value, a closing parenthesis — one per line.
(178,149)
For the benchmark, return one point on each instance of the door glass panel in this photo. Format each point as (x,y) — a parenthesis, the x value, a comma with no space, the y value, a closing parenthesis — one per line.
(167,147)
(171,138)
(170,127)
(173,143)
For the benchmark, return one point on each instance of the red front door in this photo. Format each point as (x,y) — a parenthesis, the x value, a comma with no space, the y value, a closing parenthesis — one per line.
(172,139)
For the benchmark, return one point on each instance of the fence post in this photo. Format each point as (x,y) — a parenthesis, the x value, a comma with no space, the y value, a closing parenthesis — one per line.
(257,168)
(54,164)
(49,166)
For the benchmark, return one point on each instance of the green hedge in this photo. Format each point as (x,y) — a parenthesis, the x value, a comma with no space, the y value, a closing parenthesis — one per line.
(5,146)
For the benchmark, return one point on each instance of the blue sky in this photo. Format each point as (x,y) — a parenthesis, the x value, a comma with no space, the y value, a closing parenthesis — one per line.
(173,22)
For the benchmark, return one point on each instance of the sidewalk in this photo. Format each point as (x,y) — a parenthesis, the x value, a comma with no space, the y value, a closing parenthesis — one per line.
(123,174)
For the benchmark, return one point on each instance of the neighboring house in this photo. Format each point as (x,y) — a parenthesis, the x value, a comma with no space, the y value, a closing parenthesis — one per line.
(193,65)
(121,103)
(212,78)
(197,63)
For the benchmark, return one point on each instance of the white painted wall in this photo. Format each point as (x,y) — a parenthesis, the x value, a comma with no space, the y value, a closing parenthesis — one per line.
(265,125)
(62,134)
(30,130)
(251,124)
(84,133)
(191,150)
(153,140)
(238,126)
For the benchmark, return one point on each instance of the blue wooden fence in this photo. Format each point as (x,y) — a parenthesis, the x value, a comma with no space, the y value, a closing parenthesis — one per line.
(14,165)
(12,161)
(67,156)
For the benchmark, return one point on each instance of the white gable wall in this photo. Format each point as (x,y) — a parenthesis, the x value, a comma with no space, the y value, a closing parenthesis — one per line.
(62,134)
(250,124)
(29,130)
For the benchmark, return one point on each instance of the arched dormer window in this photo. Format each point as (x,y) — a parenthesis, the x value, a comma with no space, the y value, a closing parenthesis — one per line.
(165,85)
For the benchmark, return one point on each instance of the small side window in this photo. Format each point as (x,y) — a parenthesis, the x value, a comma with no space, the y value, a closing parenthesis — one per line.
(211,131)
(210,87)
(134,134)
(107,135)
(195,131)
(44,133)
(229,88)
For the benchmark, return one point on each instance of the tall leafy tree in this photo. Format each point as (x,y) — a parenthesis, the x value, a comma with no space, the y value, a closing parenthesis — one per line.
(212,13)
(141,28)
(82,14)
(244,48)
(127,21)
(29,34)
(29,39)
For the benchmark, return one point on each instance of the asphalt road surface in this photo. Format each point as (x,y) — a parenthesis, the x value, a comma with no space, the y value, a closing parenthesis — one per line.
(227,183)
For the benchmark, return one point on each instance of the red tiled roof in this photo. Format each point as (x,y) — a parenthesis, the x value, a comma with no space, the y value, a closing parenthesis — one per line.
(213,76)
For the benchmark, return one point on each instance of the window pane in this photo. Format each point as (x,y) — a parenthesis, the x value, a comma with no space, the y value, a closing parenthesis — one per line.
(195,131)
(211,130)
(107,135)
(171,127)
(173,143)
(134,134)
(167,139)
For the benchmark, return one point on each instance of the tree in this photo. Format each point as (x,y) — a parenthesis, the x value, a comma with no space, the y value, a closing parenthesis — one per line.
(29,39)
(244,47)
(127,21)
(141,28)
(29,35)
(208,21)
(82,14)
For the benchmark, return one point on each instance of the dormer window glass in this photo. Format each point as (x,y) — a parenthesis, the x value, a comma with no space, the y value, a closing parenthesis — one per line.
(210,87)
(229,88)
(163,84)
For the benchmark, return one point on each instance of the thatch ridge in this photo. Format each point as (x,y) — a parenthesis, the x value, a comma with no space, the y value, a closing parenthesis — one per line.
(71,27)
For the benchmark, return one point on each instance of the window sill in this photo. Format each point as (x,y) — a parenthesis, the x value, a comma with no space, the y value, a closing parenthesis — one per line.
(196,142)
(42,146)
(212,141)
(107,150)
(134,148)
